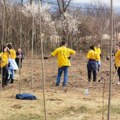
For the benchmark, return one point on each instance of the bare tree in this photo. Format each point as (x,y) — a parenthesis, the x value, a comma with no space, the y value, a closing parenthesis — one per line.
(63,5)
(80,27)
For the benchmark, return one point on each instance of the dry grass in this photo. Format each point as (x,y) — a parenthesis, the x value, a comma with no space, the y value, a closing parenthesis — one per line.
(60,105)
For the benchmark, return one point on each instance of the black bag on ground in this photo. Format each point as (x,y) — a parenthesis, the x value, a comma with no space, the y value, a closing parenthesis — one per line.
(26,96)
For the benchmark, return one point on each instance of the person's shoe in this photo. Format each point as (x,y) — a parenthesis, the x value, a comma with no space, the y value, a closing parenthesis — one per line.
(56,85)
(100,81)
(11,82)
(64,85)
(6,84)
(3,86)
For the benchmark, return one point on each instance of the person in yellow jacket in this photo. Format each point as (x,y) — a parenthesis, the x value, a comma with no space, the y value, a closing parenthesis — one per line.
(4,65)
(92,57)
(12,64)
(63,59)
(98,50)
(117,62)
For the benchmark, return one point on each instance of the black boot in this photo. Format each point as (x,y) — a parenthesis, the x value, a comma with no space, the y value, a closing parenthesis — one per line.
(12,80)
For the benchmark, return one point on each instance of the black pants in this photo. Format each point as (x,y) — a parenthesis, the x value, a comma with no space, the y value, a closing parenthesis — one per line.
(19,62)
(5,76)
(118,71)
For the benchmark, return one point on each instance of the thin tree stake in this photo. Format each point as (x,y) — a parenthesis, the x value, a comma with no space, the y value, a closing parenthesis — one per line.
(43,68)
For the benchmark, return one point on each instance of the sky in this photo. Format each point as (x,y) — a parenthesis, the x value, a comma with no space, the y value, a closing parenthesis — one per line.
(107,2)
(116,3)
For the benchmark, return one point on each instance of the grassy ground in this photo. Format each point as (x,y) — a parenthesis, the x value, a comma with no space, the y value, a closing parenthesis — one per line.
(60,105)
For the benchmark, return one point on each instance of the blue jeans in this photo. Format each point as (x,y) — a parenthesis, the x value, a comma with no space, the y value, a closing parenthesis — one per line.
(60,71)
(98,65)
(92,68)
(11,74)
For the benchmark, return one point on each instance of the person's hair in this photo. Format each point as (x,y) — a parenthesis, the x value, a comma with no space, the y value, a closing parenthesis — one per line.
(62,43)
(9,45)
(92,47)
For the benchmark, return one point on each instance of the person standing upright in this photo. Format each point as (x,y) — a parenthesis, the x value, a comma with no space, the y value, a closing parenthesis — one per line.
(12,64)
(98,50)
(19,58)
(63,55)
(91,65)
(117,62)
(4,65)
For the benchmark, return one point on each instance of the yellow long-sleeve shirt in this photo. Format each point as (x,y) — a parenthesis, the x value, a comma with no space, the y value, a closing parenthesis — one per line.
(92,55)
(4,59)
(117,58)
(98,50)
(12,54)
(62,54)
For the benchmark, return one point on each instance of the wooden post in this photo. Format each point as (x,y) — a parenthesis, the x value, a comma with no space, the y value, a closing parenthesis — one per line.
(111,46)
(42,56)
